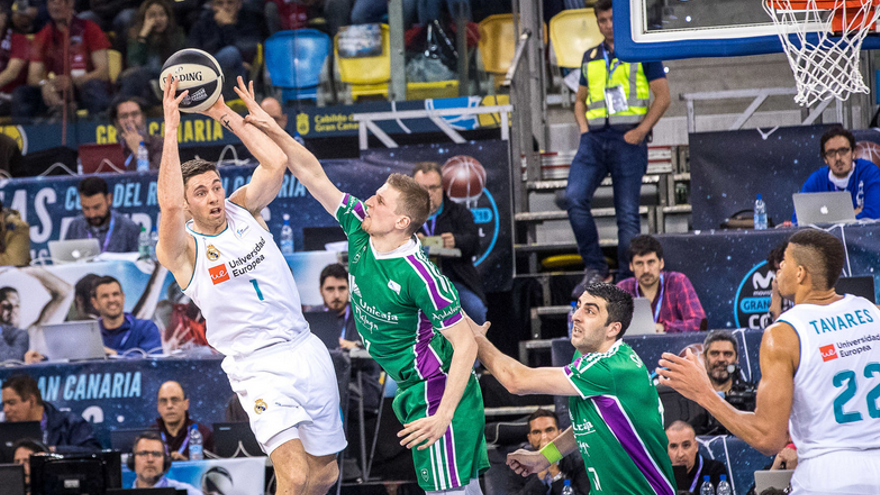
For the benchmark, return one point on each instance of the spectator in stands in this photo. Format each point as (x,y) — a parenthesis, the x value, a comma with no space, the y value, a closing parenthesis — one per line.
(844,172)
(22,450)
(684,451)
(614,137)
(232,36)
(543,428)
(778,304)
(63,432)
(85,73)
(115,233)
(372,11)
(14,341)
(121,331)
(675,304)
(275,110)
(154,37)
(334,292)
(175,424)
(721,360)
(15,238)
(151,462)
(454,224)
(15,49)
(127,114)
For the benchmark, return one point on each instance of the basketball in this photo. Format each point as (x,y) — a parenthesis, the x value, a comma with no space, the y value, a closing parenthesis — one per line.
(198,72)
(868,150)
(463,179)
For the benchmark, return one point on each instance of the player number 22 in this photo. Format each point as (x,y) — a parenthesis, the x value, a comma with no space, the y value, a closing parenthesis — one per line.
(257,288)
(847,378)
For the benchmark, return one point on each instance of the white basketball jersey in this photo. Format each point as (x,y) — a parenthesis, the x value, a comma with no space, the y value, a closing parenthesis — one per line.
(244,287)
(837,383)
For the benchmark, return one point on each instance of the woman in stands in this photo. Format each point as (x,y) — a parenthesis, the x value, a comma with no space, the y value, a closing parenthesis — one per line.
(154,37)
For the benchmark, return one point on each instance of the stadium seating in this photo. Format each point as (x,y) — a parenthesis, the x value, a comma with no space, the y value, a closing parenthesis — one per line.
(296,61)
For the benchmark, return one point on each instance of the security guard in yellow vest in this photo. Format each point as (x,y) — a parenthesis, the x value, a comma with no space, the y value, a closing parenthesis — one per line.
(615,115)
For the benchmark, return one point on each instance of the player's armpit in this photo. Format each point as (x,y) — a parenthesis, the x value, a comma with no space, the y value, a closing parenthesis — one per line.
(178,259)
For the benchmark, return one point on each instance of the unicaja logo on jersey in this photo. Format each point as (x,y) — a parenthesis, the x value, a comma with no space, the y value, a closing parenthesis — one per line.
(354,287)
(212,253)
(219,274)
(828,352)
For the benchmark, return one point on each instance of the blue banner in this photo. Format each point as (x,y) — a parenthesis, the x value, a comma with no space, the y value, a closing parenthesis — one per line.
(49,204)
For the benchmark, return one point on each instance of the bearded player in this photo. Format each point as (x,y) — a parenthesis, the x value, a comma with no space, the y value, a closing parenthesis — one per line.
(226,261)
(410,318)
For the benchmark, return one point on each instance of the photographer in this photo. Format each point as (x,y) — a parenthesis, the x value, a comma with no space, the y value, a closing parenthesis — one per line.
(722,365)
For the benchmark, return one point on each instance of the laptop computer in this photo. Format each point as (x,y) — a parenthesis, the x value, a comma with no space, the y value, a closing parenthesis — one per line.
(73,340)
(73,250)
(12,479)
(13,432)
(101,158)
(857,286)
(643,318)
(824,208)
(772,479)
(228,437)
(325,325)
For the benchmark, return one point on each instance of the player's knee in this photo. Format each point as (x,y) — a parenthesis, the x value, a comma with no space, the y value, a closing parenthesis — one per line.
(293,481)
(328,475)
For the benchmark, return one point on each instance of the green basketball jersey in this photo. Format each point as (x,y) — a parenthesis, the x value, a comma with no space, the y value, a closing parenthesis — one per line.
(618,423)
(401,302)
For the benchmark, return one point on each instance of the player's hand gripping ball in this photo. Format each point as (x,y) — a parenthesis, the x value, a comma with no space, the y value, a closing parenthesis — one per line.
(198,72)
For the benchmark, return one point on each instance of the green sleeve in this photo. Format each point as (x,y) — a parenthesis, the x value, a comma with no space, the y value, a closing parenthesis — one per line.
(433,293)
(350,214)
(590,375)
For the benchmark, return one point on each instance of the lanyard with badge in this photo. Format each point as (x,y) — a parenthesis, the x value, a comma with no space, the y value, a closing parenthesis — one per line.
(185,440)
(615,97)
(659,299)
(697,476)
(109,233)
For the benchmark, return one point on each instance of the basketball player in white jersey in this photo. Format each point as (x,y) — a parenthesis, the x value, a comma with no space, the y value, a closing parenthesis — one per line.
(820,376)
(226,260)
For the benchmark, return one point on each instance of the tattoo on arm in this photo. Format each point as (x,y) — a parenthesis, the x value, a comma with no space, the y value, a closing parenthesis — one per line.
(225,121)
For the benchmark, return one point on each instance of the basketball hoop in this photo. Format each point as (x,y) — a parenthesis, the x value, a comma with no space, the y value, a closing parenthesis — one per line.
(822,40)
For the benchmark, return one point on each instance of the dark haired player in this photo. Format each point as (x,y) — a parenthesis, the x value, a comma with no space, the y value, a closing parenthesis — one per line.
(226,261)
(615,409)
(820,376)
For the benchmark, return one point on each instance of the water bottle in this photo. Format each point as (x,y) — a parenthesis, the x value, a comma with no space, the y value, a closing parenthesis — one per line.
(286,236)
(570,316)
(705,489)
(196,453)
(79,166)
(567,489)
(154,239)
(143,158)
(723,486)
(143,244)
(760,214)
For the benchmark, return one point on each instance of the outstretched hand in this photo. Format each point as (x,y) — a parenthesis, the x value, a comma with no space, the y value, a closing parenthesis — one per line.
(171,104)
(525,462)
(685,374)
(256,116)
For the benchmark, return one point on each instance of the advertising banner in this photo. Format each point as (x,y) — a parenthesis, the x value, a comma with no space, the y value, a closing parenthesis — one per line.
(242,476)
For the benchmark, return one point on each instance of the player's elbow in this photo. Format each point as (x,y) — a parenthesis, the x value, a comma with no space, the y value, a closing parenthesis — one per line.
(771,444)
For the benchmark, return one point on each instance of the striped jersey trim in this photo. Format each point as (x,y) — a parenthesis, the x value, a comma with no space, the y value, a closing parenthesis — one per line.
(586,362)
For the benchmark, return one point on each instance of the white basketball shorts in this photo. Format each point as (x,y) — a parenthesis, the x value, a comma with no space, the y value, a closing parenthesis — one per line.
(290,391)
(843,472)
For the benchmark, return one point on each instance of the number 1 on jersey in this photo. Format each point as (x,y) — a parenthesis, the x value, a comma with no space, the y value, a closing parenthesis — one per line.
(257,288)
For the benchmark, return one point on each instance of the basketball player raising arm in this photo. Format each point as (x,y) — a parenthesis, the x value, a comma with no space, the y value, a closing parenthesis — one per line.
(226,261)
(819,376)
(400,298)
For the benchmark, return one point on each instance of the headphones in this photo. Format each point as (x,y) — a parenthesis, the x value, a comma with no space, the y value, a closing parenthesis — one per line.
(150,435)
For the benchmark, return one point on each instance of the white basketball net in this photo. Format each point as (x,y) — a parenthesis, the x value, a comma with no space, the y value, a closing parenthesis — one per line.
(823,64)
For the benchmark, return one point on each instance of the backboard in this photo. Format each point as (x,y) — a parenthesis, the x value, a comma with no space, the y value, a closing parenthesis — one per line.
(646,30)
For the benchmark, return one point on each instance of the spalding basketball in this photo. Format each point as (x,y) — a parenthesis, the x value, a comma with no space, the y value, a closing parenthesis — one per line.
(198,72)
(463,179)
(868,150)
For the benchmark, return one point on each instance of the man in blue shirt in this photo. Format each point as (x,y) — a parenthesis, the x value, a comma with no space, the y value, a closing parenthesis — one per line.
(115,233)
(860,178)
(615,116)
(121,331)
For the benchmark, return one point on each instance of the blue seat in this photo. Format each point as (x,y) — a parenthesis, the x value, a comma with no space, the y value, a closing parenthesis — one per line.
(295,61)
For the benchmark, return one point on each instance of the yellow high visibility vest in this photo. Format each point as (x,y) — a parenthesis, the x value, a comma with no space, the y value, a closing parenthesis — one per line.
(630,76)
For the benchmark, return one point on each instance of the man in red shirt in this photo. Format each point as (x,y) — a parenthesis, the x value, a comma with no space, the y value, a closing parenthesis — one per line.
(84,71)
(15,27)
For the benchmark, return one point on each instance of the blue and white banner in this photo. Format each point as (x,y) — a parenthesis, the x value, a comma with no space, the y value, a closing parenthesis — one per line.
(242,476)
